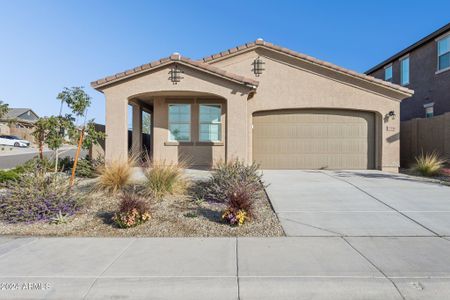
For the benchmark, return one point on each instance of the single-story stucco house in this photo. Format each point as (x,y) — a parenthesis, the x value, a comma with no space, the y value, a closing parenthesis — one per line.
(256,102)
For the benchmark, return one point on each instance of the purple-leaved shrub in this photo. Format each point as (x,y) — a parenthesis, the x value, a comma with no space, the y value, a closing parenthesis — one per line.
(38,197)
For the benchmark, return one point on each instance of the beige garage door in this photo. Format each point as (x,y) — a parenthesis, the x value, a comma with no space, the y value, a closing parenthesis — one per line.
(314,139)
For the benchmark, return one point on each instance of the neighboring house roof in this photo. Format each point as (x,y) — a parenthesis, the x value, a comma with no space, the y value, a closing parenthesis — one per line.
(263,44)
(414,46)
(174,58)
(16,113)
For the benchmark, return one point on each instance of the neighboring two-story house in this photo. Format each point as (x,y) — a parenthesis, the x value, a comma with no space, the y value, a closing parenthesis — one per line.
(425,68)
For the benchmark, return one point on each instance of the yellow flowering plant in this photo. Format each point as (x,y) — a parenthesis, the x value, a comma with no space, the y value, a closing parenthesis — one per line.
(234,217)
(240,202)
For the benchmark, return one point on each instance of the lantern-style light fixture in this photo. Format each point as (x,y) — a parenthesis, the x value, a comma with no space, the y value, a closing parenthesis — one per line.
(258,66)
(175,74)
(391,115)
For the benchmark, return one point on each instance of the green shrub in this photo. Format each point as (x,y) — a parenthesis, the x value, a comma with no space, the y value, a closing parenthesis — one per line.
(38,197)
(163,179)
(429,164)
(8,175)
(34,164)
(133,210)
(86,167)
(65,164)
(228,176)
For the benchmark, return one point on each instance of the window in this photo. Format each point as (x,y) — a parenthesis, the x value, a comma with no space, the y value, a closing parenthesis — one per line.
(210,123)
(180,122)
(388,73)
(429,110)
(404,71)
(444,53)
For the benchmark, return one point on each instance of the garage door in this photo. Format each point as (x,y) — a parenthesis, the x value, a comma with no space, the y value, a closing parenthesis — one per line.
(314,139)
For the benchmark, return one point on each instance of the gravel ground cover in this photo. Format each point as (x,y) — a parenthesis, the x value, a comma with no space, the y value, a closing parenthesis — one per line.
(173,216)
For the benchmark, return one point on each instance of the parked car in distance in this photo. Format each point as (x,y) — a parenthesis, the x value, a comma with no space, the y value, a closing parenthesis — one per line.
(12,140)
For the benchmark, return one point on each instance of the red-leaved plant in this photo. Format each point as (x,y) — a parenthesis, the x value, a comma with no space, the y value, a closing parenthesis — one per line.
(133,210)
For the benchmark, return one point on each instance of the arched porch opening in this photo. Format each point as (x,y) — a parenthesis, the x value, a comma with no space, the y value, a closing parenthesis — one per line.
(186,127)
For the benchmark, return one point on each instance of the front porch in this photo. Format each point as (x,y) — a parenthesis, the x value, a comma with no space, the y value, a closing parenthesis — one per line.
(187,128)
(198,113)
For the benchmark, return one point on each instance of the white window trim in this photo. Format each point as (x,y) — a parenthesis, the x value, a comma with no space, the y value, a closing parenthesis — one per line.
(401,70)
(392,72)
(437,53)
(168,122)
(428,105)
(221,123)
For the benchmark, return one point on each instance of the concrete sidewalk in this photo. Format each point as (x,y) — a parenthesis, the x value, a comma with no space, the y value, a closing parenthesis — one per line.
(226,268)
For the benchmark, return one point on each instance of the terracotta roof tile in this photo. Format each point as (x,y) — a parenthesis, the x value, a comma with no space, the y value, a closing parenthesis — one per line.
(264,44)
(178,59)
(204,65)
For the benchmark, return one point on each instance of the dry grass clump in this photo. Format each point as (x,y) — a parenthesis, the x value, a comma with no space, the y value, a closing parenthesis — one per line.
(429,164)
(115,175)
(164,178)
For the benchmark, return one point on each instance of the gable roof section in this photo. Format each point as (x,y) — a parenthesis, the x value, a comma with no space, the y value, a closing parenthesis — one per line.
(263,44)
(414,46)
(17,112)
(174,58)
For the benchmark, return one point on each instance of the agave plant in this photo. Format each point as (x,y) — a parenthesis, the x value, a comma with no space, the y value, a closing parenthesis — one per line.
(60,218)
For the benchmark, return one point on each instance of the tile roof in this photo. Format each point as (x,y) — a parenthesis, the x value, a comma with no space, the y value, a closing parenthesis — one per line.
(174,58)
(264,44)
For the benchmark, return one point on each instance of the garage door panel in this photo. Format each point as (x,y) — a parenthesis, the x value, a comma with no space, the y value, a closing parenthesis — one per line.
(314,139)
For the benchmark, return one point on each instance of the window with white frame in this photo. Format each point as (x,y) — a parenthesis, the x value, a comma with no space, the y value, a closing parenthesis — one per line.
(210,122)
(404,71)
(429,110)
(443,48)
(388,73)
(180,122)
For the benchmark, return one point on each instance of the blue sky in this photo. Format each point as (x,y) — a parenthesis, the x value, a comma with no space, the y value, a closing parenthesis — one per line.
(47,45)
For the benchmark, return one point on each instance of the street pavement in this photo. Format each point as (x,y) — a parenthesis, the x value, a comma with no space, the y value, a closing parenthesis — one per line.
(20,156)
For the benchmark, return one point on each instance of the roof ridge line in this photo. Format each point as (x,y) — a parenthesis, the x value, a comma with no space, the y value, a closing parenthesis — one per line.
(261,43)
(175,57)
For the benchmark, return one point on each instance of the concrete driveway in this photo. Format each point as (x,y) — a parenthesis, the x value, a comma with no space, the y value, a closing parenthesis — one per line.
(358,203)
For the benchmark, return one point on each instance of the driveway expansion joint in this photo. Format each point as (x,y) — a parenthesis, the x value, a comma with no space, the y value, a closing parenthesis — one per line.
(384,203)
(376,267)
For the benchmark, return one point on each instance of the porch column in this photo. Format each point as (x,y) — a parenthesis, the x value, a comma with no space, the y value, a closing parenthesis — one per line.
(116,143)
(237,129)
(136,147)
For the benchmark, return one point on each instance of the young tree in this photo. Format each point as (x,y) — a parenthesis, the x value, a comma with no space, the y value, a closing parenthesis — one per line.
(4,108)
(78,101)
(52,130)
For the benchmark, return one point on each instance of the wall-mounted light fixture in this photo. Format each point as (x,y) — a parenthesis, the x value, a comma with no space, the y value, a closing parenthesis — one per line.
(175,74)
(391,115)
(258,66)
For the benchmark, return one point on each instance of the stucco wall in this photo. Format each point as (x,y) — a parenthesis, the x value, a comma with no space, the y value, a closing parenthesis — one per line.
(287,83)
(157,82)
